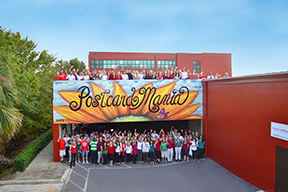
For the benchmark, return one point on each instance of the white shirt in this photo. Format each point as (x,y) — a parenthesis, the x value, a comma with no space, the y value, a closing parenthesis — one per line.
(103,77)
(128,149)
(124,77)
(139,145)
(80,77)
(145,147)
(66,140)
(210,77)
(154,135)
(184,75)
(141,76)
(70,77)
(86,77)
(193,145)
(118,149)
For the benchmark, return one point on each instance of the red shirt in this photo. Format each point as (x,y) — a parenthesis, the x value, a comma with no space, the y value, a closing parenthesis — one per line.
(73,149)
(123,147)
(135,149)
(171,144)
(62,76)
(160,76)
(185,145)
(118,77)
(171,76)
(111,149)
(84,145)
(112,77)
(157,145)
(61,144)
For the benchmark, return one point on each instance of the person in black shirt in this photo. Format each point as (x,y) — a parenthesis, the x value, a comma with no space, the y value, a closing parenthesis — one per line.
(130,76)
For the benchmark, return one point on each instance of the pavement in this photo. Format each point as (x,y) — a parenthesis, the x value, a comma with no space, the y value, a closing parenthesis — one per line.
(45,175)
(202,176)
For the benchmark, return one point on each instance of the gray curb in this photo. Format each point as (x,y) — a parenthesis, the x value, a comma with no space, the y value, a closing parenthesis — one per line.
(40,181)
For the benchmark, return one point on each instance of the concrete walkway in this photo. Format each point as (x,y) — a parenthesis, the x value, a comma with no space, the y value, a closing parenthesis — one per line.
(41,175)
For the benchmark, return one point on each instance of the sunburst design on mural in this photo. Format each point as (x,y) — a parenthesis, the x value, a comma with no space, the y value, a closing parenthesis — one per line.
(124,114)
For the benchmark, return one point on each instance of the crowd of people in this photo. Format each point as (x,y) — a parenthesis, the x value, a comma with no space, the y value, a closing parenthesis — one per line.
(126,147)
(72,74)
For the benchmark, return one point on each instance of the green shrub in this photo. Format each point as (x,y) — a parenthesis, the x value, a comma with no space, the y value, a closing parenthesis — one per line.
(24,158)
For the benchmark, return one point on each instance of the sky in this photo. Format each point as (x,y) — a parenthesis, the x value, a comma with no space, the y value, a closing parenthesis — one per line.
(254,32)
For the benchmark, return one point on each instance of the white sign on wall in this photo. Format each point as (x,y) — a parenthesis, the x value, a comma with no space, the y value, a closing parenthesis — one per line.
(279,131)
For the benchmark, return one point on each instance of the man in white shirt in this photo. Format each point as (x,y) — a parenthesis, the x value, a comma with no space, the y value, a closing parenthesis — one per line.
(70,77)
(210,76)
(154,135)
(184,74)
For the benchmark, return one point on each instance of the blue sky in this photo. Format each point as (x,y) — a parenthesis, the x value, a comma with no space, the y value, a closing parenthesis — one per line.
(255,32)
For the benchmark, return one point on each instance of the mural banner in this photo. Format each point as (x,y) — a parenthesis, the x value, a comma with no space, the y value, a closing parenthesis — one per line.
(125,101)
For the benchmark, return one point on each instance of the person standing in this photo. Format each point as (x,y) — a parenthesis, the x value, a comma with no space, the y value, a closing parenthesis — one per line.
(128,151)
(145,150)
(139,149)
(99,149)
(69,144)
(164,152)
(171,145)
(67,138)
(73,153)
(104,154)
(152,152)
(93,150)
(118,150)
(193,147)
(201,144)
(123,146)
(158,149)
(111,150)
(62,150)
(178,147)
(185,149)
(210,76)
(135,151)
(85,149)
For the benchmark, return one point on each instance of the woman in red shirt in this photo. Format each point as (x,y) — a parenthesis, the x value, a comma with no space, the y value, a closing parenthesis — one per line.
(185,149)
(171,76)
(73,153)
(110,151)
(160,76)
(157,149)
(123,145)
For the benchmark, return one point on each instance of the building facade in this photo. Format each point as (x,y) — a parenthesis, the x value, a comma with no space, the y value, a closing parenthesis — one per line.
(206,62)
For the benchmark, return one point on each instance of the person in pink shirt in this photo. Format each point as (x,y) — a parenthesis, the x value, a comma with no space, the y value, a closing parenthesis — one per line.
(134,151)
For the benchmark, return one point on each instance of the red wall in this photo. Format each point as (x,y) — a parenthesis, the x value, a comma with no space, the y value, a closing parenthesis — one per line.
(55,128)
(210,62)
(237,121)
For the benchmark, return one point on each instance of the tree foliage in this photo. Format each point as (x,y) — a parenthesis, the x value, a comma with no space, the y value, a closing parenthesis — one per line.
(26,84)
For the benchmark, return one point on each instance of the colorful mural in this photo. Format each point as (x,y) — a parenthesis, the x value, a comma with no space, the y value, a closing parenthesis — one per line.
(126,101)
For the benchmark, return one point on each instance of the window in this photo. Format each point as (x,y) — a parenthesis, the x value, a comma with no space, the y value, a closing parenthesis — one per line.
(165,64)
(196,66)
(132,64)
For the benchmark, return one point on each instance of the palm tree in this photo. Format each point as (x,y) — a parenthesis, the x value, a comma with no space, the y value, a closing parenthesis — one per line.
(10,117)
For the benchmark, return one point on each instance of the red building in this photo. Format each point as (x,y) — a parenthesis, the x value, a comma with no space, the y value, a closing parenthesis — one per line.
(206,62)
(237,127)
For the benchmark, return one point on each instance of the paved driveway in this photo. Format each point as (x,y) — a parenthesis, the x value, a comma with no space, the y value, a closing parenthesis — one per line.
(201,176)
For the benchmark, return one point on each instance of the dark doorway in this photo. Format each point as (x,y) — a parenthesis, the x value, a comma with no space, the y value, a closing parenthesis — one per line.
(193,125)
(281,174)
